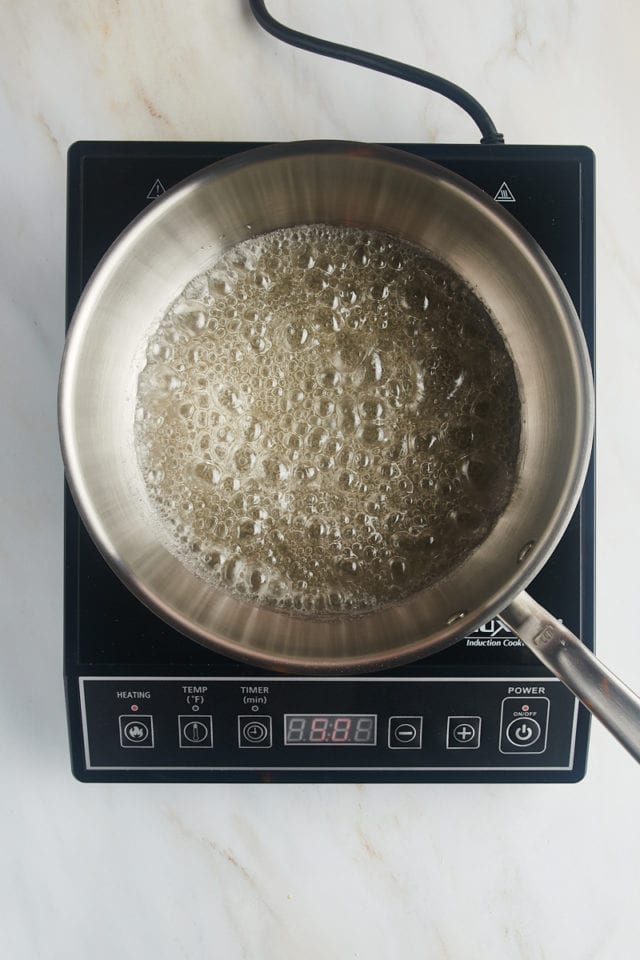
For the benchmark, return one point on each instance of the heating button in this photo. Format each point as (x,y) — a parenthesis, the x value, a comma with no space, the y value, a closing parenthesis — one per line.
(136,731)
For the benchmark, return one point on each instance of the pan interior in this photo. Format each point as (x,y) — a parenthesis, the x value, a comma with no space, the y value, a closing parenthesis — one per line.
(327,421)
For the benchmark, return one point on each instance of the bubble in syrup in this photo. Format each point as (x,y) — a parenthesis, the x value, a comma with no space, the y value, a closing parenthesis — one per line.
(297,335)
(250,528)
(317,439)
(258,580)
(372,409)
(244,458)
(371,433)
(348,567)
(252,429)
(398,567)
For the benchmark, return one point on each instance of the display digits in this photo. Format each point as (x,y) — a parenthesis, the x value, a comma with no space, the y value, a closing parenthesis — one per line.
(364,732)
(295,729)
(331,729)
(318,732)
(341,727)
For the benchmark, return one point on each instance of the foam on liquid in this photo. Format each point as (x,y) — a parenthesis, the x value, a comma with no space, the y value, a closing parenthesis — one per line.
(328,420)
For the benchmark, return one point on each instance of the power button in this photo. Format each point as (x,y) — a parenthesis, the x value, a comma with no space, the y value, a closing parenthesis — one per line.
(523,724)
(523,732)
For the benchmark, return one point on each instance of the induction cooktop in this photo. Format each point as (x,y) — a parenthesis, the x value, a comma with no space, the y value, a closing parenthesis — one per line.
(148,704)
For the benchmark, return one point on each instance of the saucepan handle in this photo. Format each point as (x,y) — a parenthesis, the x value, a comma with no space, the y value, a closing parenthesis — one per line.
(608,699)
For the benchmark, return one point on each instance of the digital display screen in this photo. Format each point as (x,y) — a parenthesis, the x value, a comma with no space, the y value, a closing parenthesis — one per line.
(330,729)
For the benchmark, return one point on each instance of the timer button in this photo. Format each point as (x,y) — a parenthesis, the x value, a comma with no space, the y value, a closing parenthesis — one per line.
(254,731)
(405,733)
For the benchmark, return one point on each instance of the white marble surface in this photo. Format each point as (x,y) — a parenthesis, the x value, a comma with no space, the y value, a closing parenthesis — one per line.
(440,872)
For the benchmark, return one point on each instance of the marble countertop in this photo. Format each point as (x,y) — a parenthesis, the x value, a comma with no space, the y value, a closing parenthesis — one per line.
(445,872)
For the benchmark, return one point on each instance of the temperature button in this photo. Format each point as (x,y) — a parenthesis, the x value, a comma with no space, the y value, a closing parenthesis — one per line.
(254,731)
(195,731)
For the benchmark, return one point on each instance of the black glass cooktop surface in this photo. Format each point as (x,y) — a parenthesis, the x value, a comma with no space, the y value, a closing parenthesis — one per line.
(146,703)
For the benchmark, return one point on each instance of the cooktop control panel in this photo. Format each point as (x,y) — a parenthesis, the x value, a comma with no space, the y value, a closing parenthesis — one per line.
(276,726)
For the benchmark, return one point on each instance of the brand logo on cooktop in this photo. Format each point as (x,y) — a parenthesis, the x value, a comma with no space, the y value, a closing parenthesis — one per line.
(493,628)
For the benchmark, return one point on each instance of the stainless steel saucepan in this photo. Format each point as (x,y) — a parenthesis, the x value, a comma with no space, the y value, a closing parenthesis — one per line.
(179,236)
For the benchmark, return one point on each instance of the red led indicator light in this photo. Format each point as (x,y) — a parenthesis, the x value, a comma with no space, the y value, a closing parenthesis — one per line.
(525,706)
(134,707)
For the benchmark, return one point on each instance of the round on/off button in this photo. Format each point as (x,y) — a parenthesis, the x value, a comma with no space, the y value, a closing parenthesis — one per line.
(523,732)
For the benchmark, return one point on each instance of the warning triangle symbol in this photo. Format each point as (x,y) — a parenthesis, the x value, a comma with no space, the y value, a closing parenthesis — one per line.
(156,190)
(504,194)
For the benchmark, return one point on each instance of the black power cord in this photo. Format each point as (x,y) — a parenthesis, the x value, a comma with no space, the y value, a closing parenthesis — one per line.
(384,65)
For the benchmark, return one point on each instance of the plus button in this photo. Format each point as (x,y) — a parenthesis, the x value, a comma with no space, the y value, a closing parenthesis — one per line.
(463,733)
